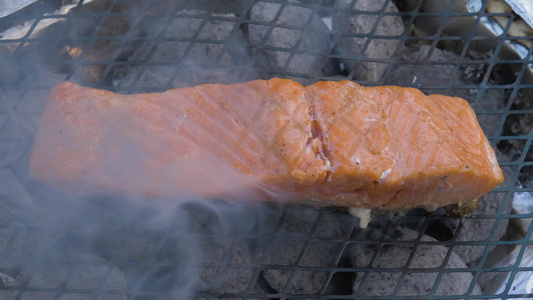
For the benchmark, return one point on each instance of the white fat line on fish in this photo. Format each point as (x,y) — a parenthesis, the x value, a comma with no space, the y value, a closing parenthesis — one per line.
(384,175)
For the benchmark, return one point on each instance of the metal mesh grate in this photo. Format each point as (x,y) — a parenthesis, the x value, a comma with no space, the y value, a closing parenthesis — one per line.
(54,248)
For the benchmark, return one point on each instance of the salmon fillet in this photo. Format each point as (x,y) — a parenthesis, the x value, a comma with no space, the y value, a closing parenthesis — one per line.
(334,143)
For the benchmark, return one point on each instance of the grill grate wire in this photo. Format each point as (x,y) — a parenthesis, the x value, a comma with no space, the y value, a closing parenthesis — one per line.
(52,248)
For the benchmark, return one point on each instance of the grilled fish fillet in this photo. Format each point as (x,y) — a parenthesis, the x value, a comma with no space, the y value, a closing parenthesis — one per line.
(335,143)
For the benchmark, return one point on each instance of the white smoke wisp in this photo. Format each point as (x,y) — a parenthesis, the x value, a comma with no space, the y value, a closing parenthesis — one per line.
(168,245)
(172,233)
(149,241)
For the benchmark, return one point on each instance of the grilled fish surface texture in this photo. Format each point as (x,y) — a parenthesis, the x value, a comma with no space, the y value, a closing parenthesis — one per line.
(335,143)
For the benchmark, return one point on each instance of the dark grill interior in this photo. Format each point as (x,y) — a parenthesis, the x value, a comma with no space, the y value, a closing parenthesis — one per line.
(56,247)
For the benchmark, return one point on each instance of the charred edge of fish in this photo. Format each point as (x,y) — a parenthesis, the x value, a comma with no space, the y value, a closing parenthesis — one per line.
(462,210)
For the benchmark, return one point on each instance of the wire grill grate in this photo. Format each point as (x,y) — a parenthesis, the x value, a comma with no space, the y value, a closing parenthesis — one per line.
(53,248)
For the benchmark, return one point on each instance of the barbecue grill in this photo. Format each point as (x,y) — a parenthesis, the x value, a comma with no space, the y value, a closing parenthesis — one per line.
(55,247)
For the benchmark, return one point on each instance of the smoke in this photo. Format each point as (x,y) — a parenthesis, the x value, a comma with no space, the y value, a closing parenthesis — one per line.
(66,244)
(123,244)
(156,244)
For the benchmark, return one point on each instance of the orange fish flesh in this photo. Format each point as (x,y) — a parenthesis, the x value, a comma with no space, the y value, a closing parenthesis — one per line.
(333,143)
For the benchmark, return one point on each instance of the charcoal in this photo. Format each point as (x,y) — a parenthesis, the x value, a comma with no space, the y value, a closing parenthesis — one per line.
(9,295)
(61,50)
(360,22)
(314,43)
(436,69)
(29,103)
(130,249)
(420,68)
(412,70)
(238,7)
(23,242)
(321,254)
(211,277)
(199,268)
(37,295)
(89,276)
(76,296)
(34,242)
(518,125)
(287,251)
(427,52)
(334,224)
(522,204)
(480,229)
(223,279)
(490,123)
(13,189)
(31,51)
(97,56)
(298,221)
(173,64)
(381,283)
(16,127)
(7,217)
(213,261)
(48,275)
(10,7)
(88,272)
(303,282)
(69,296)
(232,279)
(5,279)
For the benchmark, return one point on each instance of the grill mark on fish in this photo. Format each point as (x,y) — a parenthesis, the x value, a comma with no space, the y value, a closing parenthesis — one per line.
(210,134)
(230,119)
(238,121)
(246,133)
